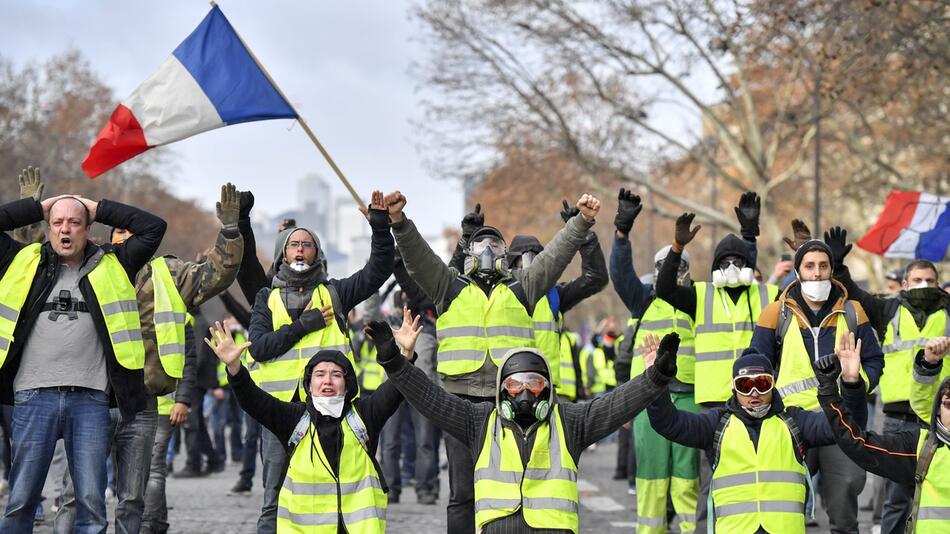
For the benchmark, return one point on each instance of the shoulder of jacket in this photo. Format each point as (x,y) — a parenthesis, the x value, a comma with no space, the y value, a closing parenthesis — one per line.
(770,315)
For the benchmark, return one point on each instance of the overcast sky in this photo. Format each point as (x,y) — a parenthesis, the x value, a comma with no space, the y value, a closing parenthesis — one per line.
(343,64)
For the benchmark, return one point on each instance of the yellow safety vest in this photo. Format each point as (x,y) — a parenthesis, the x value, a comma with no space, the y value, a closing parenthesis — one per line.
(371,373)
(312,497)
(933,511)
(547,336)
(113,290)
(723,330)
(604,367)
(764,486)
(281,376)
(169,318)
(167,401)
(567,387)
(476,327)
(660,319)
(901,342)
(545,489)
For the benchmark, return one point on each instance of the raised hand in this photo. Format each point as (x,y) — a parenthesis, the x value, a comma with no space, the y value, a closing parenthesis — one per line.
(408,332)
(800,234)
(837,239)
(229,207)
(628,207)
(589,207)
(30,184)
(395,202)
(247,202)
(472,221)
(747,212)
(936,349)
(684,234)
(568,211)
(651,342)
(827,369)
(222,343)
(376,213)
(666,354)
(849,354)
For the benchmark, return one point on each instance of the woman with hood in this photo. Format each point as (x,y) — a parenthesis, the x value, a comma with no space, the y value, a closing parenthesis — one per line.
(916,457)
(333,483)
(525,444)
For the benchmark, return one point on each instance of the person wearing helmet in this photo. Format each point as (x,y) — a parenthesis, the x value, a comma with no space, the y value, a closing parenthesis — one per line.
(526,444)
(484,311)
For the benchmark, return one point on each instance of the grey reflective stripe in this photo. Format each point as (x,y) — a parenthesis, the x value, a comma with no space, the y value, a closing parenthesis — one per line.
(307,352)
(934,513)
(790,477)
(689,518)
(566,382)
(660,324)
(507,477)
(119,307)
(271,386)
(4,343)
(728,481)
(899,346)
(170,348)
(460,331)
(126,335)
(763,296)
(714,356)
(686,351)
(291,354)
(496,504)
(727,510)
(715,328)
(316,520)
(798,387)
(461,355)
(512,331)
(169,317)
(743,479)
(550,503)
(499,352)
(790,507)
(655,522)
(329,488)
(545,326)
(8,313)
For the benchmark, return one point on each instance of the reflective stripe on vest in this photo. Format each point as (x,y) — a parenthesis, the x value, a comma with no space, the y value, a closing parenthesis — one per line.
(660,318)
(568,381)
(933,512)
(764,485)
(14,288)
(723,330)
(281,376)
(547,337)
(545,489)
(371,373)
(120,310)
(169,319)
(902,340)
(308,499)
(475,327)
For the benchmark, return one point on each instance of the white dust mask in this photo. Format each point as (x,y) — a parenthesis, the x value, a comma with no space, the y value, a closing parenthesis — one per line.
(816,290)
(328,406)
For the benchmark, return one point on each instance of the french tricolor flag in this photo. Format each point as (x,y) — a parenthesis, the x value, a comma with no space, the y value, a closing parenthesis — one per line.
(211,80)
(912,225)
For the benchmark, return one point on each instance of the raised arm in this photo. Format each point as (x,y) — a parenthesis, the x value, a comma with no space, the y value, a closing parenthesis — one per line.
(147,233)
(363,283)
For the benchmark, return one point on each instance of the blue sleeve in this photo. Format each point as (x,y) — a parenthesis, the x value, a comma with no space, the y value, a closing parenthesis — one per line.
(695,430)
(763,341)
(624,277)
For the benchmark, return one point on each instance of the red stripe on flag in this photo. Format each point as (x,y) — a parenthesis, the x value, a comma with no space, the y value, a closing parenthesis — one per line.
(121,139)
(898,213)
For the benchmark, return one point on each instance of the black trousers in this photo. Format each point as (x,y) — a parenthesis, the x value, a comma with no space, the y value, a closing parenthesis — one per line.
(197,438)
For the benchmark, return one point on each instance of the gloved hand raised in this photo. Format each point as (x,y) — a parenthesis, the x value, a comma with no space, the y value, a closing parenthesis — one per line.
(247,202)
(312,320)
(30,184)
(837,239)
(827,369)
(747,212)
(229,208)
(472,221)
(684,234)
(661,353)
(568,211)
(381,334)
(628,207)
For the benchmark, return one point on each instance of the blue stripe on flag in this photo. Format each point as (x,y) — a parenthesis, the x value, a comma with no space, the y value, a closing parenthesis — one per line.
(932,244)
(225,71)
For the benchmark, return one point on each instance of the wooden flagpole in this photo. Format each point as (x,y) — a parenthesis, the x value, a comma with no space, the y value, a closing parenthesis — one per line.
(300,119)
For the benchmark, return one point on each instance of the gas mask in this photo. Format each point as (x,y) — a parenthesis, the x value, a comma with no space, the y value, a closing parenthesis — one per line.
(525,398)
(732,275)
(486,258)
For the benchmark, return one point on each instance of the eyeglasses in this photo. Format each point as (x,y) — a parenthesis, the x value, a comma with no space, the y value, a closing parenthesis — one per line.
(761,384)
(497,245)
(306,245)
(518,382)
(738,262)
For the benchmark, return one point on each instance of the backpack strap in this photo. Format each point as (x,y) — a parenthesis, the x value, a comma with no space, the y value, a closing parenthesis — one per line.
(338,314)
(796,433)
(303,424)
(927,452)
(851,317)
(781,328)
(717,438)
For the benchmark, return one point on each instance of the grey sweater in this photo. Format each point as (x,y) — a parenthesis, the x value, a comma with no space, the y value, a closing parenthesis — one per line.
(435,278)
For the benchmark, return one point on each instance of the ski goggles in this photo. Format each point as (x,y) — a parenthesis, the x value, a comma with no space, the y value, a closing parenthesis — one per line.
(497,245)
(761,384)
(518,382)
(732,260)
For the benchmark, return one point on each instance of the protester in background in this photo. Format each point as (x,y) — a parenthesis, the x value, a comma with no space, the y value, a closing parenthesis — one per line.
(201,457)
(892,282)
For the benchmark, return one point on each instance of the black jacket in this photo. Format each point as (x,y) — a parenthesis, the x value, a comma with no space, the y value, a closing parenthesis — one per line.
(269,344)
(206,363)
(127,386)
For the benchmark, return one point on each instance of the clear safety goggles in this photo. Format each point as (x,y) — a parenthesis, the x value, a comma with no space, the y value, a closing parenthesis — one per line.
(479,246)
(761,384)
(518,382)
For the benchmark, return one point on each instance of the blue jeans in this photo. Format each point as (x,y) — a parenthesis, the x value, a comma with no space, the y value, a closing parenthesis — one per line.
(275,460)
(897,497)
(40,417)
(252,447)
(155,517)
(226,412)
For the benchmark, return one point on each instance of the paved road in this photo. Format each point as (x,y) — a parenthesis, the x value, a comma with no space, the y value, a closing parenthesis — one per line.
(203,506)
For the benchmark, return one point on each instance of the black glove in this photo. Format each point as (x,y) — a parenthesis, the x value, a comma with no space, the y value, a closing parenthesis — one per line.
(666,355)
(827,369)
(472,221)
(837,239)
(247,202)
(568,211)
(311,320)
(748,214)
(683,232)
(628,207)
(378,219)
(382,336)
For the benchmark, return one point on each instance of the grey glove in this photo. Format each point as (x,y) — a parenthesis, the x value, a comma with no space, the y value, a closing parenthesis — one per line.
(311,320)
(229,208)
(30,184)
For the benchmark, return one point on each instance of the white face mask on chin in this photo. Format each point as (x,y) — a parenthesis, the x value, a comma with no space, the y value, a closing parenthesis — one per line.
(299,266)
(328,406)
(733,276)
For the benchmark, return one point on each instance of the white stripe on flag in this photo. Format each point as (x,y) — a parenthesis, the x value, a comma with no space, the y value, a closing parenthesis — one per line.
(929,208)
(170,105)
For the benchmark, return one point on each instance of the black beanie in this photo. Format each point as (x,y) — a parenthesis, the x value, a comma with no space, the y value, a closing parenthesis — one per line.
(751,363)
(525,243)
(731,245)
(810,246)
(522,362)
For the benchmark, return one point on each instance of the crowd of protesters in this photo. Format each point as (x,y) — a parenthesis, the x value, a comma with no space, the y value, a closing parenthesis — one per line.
(741,405)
